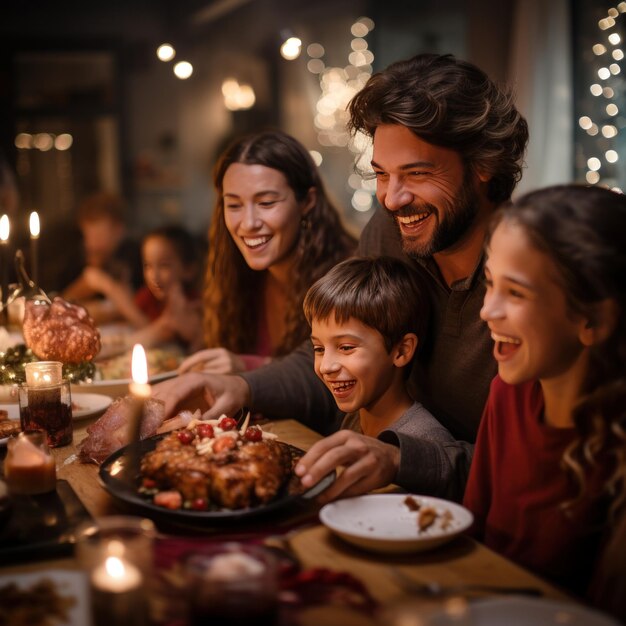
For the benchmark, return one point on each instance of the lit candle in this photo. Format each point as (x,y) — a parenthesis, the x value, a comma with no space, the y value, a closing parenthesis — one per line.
(34,244)
(140,391)
(29,467)
(117,595)
(5,227)
(45,402)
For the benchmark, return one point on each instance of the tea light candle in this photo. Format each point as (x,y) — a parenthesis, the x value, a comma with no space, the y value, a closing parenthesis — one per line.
(29,467)
(117,596)
(34,244)
(45,402)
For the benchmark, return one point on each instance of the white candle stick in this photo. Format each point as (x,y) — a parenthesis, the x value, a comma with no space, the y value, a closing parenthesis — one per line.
(140,391)
(5,228)
(34,245)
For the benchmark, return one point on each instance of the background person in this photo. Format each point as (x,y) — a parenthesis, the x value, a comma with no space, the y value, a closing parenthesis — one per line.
(447,149)
(550,457)
(109,254)
(273,232)
(167,308)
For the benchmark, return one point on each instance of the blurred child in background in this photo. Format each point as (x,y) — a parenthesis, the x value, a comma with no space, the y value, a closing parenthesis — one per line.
(167,308)
(111,259)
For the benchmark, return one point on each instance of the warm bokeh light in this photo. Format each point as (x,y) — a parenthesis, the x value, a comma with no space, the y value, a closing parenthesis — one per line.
(614,38)
(5,228)
(361,200)
(593,164)
(315,50)
(592,177)
(33,224)
(43,142)
(315,66)
(611,156)
(23,141)
(183,70)
(609,131)
(237,97)
(604,73)
(166,52)
(617,54)
(585,122)
(317,157)
(599,49)
(596,89)
(291,48)
(611,109)
(593,131)
(63,141)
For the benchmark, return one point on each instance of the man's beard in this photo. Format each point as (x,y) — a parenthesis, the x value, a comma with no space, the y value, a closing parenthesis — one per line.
(452,227)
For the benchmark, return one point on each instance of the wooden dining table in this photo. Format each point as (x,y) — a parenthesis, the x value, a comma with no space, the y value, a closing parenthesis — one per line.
(460,562)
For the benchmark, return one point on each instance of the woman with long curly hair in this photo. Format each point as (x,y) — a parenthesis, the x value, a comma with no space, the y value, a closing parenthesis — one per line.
(547,482)
(273,233)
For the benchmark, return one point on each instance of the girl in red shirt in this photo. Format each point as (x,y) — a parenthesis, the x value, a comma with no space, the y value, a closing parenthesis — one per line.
(547,480)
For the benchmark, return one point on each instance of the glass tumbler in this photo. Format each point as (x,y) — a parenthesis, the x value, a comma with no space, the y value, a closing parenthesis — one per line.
(232,584)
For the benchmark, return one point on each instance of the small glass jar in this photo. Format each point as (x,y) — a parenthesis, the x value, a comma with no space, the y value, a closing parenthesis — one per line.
(46,402)
(232,584)
(29,468)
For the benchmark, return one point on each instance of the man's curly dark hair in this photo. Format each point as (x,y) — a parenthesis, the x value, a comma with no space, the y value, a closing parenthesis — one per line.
(450,103)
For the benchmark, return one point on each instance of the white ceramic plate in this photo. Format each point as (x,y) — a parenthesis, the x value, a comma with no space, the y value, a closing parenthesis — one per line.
(384,522)
(13,411)
(89,404)
(68,584)
(518,611)
(116,388)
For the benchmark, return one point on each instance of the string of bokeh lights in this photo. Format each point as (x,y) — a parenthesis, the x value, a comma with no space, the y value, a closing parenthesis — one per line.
(338,85)
(609,123)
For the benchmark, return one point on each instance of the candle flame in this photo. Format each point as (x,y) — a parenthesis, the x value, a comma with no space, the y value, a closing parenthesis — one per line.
(34,224)
(115,567)
(4,227)
(139,365)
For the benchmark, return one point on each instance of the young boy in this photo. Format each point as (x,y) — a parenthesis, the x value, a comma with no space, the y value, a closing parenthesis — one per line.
(365,334)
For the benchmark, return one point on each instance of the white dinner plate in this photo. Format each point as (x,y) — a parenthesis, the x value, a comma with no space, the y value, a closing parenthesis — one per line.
(89,404)
(519,611)
(384,522)
(118,387)
(67,584)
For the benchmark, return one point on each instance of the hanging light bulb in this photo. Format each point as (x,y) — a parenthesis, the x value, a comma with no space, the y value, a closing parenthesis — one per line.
(166,52)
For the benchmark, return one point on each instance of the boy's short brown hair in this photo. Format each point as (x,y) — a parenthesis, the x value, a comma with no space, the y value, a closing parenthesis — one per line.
(383,293)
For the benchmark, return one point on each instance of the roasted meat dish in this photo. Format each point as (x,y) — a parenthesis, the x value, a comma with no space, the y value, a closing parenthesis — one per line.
(234,473)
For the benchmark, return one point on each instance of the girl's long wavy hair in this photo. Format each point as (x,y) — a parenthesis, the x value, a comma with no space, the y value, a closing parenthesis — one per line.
(583,230)
(232,290)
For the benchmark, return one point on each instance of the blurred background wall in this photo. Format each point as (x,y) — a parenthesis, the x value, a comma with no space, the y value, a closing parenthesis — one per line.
(85,103)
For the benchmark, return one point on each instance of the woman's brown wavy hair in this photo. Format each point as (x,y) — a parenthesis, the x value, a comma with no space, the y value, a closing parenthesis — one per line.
(232,290)
(583,230)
